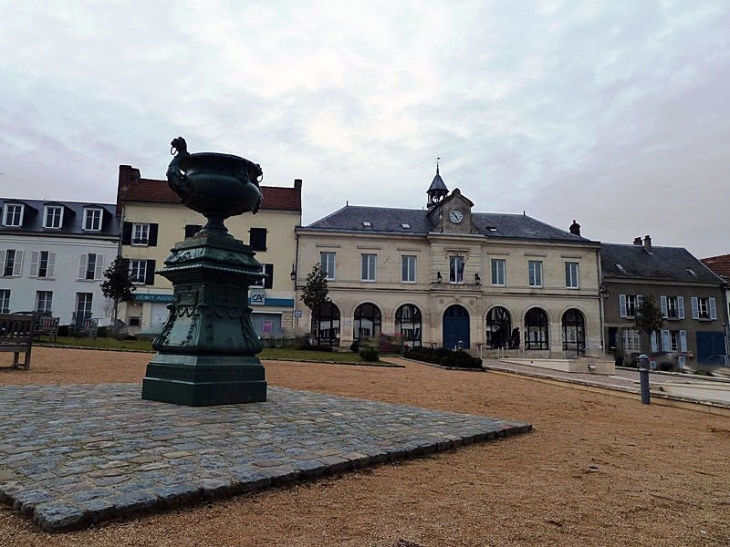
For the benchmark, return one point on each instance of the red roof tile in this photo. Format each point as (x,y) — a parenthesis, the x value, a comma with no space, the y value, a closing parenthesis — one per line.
(719,264)
(134,188)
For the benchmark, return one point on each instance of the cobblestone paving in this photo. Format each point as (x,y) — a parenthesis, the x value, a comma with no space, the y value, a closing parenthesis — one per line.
(74,455)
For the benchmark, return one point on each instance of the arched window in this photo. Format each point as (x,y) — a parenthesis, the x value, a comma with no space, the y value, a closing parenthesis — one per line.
(367,321)
(574,332)
(499,328)
(408,324)
(536,323)
(326,324)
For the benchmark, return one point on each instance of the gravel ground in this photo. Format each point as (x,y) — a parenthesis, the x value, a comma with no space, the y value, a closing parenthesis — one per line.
(596,470)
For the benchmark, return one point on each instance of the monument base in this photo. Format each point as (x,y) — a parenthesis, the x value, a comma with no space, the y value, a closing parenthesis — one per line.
(204,380)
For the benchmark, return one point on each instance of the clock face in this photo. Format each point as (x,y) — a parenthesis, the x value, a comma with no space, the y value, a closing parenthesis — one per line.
(456,216)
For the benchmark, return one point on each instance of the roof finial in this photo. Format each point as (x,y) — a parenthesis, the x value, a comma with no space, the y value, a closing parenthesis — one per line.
(438,160)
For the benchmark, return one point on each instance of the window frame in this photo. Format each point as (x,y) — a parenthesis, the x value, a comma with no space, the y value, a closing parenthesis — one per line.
(134,278)
(91,220)
(409,268)
(368,267)
(498,272)
(5,300)
(47,301)
(572,275)
(457,265)
(20,207)
(535,271)
(144,239)
(324,257)
(49,210)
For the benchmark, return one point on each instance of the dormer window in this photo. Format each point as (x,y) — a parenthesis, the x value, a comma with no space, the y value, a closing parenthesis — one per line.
(53,217)
(92,219)
(13,214)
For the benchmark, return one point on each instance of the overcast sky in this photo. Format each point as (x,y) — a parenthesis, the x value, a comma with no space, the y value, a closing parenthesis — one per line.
(614,113)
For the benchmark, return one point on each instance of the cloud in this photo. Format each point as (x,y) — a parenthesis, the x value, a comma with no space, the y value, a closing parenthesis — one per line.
(566,109)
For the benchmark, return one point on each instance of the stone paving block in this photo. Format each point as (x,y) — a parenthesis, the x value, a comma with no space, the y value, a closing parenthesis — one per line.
(107,453)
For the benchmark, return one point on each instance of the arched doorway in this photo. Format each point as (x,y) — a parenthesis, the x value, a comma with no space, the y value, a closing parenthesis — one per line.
(499,328)
(456,327)
(536,323)
(574,333)
(326,324)
(408,324)
(367,322)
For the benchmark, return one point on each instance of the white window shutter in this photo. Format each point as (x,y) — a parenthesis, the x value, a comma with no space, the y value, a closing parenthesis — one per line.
(622,305)
(654,342)
(680,306)
(99,272)
(695,308)
(681,361)
(34,263)
(683,341)
(663,302)
(51,264)
(82,265)
(18,266)
(2,262)
(638,301)
(713,309)
(666,341)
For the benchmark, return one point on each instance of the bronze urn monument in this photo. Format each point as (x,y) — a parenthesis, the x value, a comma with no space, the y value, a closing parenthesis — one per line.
(207,349)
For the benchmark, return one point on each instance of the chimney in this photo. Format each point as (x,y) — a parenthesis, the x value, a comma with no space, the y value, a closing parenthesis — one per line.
(575,228)
(297,184)
(647,242)
(128,175)
(637,240)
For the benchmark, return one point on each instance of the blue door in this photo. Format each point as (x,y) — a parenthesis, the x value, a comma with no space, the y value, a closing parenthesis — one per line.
(710,348)
(456,327)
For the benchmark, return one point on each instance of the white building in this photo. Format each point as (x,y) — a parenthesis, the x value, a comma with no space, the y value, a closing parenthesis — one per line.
(53,256)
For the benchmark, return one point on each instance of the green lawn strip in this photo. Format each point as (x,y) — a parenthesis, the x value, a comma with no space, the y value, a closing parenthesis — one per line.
(273,354)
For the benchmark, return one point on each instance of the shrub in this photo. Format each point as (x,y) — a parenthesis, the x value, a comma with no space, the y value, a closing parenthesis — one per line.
(444,357)
(666,367)
(355,346)
(370,354)
(63,330)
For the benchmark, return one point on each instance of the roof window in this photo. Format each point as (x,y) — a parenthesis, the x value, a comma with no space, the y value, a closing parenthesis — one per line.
(406,226)
(492,228)
(691,272)
(620,267)
(366,223)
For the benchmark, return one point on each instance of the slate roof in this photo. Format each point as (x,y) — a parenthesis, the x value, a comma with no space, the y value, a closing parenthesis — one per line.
(384,220)
(719,264)
(674,264)
(158,191)
(73,217)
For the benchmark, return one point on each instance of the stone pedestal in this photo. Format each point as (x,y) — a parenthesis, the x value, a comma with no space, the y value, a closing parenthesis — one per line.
(207,349)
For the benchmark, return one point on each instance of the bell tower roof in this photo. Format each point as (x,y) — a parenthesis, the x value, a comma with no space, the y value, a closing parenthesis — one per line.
(437,191)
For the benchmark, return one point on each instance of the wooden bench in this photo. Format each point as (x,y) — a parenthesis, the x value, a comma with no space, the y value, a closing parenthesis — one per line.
(16,335)
(47,326)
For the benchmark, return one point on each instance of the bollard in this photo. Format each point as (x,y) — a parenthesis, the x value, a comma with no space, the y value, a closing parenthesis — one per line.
(643,362)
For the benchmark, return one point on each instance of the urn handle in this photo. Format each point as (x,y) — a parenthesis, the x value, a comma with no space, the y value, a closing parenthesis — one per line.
(177,180)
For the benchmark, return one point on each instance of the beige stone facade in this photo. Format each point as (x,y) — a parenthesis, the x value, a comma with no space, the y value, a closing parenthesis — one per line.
(460,250)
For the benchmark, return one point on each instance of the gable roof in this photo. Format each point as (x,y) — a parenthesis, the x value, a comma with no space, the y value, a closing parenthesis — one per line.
(384,220)
(719,264)
(674,264)
(134,188)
